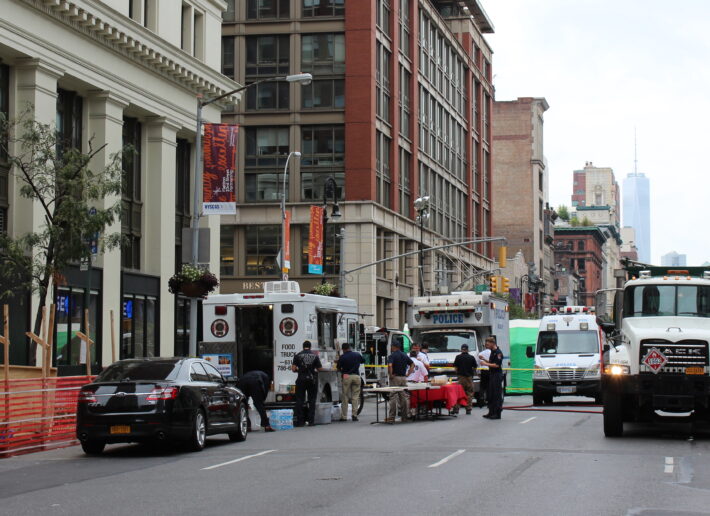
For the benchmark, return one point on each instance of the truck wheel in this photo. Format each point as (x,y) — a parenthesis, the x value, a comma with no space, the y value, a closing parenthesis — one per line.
(613,421)
(538,398)
(362,396)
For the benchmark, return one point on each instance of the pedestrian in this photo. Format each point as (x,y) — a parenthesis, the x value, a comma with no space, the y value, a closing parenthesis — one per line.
(495,379)
(421,356)
(349,365)
(420,373)
(307,364)
(465,366)
(255,385)
(399,366)
(484,375)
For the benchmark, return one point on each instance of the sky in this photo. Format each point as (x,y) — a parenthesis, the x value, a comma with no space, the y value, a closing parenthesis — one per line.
(609,68)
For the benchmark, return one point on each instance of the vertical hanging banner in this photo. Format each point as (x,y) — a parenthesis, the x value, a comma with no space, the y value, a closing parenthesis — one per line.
(219,196)
(315,241)
(287,243)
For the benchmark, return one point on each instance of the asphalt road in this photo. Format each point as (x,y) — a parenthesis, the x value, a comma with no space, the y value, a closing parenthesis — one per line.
(529,462)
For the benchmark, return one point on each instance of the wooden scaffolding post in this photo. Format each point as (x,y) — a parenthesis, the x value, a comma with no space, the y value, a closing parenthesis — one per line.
(85,337)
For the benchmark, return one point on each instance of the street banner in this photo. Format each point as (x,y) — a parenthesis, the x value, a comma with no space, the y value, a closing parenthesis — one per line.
(315,241)
(219,196)
(287,243)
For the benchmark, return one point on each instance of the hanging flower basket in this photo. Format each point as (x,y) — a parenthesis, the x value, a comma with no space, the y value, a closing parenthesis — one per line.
(192,281)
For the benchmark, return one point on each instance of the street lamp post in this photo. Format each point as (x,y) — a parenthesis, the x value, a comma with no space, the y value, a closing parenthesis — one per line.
(421,206)
(301,78)
(329,188)
(283,215)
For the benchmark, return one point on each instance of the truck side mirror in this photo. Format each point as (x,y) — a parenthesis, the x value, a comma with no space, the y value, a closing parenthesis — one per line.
(529,352)
(607,327)
(606,348)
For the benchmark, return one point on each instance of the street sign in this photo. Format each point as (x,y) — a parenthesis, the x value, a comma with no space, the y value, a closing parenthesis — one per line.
(481,288)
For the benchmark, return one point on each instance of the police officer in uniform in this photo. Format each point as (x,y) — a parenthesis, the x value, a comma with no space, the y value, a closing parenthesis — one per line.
(306,364)
(495,385)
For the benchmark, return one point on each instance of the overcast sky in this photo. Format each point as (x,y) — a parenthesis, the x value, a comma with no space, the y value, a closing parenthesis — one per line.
(605,68)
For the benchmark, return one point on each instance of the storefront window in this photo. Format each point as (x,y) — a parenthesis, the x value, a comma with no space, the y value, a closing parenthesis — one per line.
(262,247)
(138,327)
(69,349)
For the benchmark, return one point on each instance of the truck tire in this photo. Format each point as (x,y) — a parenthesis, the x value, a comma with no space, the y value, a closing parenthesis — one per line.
(538,398)
(613,420)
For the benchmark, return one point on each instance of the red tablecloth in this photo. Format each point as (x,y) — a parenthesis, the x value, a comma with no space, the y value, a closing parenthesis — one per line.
(451,393)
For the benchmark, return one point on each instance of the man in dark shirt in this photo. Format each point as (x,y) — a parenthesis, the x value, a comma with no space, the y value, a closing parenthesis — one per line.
(399,366)
(465,366)
(255,385)
(495,383)
(306,364)
(349,365)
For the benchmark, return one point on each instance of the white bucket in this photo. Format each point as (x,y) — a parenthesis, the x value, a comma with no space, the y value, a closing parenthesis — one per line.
(323,413)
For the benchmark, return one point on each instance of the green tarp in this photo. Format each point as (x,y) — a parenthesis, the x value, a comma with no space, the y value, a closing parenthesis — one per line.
(523,333)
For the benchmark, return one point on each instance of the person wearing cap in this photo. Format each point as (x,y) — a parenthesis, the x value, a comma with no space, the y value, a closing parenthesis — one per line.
(399,366)
(349,366)
(255,385)
(465,366)
(495,385)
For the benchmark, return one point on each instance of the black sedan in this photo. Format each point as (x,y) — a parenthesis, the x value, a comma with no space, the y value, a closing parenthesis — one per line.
(160,400)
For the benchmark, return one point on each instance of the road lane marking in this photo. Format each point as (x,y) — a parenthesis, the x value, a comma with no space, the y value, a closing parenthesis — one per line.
(668,465)
(446,459)
(239,459)
(527,420)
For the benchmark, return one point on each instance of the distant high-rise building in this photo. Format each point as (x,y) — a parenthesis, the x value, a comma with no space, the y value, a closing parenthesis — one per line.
(673,259)
(596,187)
(637,212)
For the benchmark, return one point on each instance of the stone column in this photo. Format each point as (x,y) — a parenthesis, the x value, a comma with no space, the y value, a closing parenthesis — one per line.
(159,218)
(106,127)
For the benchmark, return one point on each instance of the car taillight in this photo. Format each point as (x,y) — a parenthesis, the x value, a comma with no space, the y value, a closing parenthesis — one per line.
(87,397)
(162,393)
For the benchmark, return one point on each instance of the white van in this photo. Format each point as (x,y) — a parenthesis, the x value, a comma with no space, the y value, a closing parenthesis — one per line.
(567,355)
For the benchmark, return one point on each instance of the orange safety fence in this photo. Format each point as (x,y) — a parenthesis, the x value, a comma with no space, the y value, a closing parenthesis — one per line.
(39,413)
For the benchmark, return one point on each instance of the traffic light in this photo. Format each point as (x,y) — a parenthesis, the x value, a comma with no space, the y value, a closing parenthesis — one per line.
(502,256)
(494,284)
(505,285)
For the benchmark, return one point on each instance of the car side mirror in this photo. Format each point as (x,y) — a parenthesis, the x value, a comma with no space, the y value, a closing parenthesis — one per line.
(529,352)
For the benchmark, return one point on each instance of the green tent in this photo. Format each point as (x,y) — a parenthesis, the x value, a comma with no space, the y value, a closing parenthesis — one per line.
(523,333)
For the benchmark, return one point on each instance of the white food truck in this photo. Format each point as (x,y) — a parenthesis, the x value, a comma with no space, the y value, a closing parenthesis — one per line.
(567,355)
(266,330)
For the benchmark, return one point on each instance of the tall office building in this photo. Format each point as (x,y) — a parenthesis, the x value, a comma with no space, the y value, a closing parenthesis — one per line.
(674,259)
(400,107)
(637,212)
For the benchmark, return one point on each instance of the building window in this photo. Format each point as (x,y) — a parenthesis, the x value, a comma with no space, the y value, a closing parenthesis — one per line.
(405,171)
(323,148)
(404,36)
(150,14)
(382,67)
(405,79)
(269,95)
(226,250)
(266,146)
(262,243)
(580,245)
(323,53)
(4,164)
(382,16)
(228,56)
(384,180)
(183,166)
(267,9)
(131,204)
(331,249)
(71,303)
(313,8)
(69,120)
(267,55)
(230,14)
(265,186)
(313,184)
(138,327)
(324,93)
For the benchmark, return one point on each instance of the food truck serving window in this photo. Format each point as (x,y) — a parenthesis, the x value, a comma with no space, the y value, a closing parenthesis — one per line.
(327,329)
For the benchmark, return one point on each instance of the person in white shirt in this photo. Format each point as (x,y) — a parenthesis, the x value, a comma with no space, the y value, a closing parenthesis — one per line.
(481,394)
(420,373)
(421,356)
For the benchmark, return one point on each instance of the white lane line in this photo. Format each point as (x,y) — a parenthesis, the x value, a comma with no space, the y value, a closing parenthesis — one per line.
(668,465)
(527,420)
(446,459)
(239,459)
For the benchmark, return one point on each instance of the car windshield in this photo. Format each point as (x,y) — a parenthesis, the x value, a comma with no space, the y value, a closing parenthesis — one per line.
(148,370)
(665,300)
(553,342)
(447,342)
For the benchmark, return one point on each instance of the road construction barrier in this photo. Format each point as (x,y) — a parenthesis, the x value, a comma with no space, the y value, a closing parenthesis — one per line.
(38,414)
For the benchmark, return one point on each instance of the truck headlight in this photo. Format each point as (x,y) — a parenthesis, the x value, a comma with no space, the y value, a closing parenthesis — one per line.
(540,373)
(592,371)
(616,369)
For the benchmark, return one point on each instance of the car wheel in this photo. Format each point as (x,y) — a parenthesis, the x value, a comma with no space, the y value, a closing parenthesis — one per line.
(199,431)
(362,396)
(241,433)
(93,447)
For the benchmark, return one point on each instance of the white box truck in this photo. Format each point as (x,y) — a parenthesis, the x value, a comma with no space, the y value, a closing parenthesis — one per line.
(567,355)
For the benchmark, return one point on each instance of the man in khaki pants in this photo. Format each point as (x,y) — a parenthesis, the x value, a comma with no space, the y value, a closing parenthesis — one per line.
(349,365)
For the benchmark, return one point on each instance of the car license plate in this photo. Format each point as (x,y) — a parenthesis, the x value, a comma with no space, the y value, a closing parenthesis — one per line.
(120,429)
(694,370)
(566,389)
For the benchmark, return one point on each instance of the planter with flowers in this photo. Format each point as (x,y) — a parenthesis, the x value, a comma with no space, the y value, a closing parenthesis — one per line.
(192,281)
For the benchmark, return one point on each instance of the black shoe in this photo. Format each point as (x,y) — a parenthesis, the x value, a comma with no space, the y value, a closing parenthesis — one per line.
(468,412)
(494,417)
(298,425)
(487,416)
(354,418)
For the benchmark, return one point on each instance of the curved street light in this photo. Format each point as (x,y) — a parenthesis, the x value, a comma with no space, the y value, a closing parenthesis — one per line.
(283,263)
